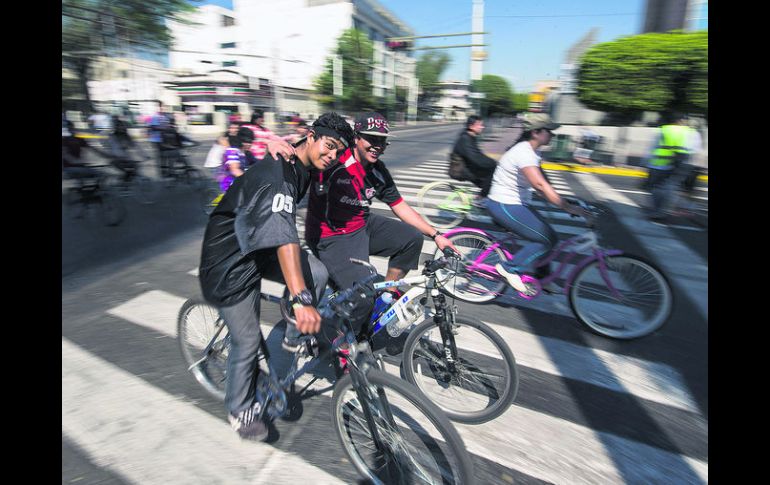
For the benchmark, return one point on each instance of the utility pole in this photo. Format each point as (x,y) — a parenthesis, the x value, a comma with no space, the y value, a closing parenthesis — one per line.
(477,53)
(337,80)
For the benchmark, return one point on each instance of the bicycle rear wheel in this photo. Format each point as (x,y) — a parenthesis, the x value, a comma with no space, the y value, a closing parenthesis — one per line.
(478,386)
(476,280)
(205,344)
(415,443)
(643,304)
(443,204)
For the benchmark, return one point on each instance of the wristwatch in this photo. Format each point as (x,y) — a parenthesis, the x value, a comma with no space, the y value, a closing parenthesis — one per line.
(303,298)
(436,234)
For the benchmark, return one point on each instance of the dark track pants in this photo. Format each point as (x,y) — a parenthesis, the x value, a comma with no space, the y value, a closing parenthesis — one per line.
(381,236)
(242,320)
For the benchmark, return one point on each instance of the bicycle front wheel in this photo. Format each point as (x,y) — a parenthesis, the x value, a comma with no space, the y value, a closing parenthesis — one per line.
(476,281)
(392,435)
(478,385)
(641,303)
(205,344)
(443,204)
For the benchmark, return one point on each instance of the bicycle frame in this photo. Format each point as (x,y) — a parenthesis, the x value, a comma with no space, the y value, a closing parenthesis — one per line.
(587,240)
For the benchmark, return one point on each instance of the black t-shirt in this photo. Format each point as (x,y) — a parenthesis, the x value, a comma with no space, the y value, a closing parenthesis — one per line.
(256,215)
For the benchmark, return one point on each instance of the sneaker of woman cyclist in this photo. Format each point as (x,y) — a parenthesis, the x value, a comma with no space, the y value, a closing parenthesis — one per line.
(510,198)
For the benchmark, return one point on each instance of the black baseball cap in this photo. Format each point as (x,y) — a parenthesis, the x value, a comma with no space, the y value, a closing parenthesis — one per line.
(371,123)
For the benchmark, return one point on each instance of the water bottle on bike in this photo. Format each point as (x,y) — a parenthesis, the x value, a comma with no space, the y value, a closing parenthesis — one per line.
(405,312)
(382,304)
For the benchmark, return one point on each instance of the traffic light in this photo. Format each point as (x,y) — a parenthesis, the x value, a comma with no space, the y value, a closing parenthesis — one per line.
(399,45)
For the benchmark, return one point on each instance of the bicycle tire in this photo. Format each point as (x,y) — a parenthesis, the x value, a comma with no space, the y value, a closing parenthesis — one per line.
(112,210)
(443,204)
(618,325)
(465,362)
(464,286)
(460,473)
(211,373)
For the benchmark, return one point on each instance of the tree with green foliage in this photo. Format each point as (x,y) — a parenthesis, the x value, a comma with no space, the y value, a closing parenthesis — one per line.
(96,28)
(650,72)
(520,102)
(428,71)
(356,51)
(498,95)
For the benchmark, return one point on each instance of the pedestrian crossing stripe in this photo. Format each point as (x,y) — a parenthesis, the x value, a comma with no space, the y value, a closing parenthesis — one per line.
(125,424)
(527,444)
(157,310)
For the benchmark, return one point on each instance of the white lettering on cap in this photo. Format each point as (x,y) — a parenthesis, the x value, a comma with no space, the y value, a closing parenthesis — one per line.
(377,123)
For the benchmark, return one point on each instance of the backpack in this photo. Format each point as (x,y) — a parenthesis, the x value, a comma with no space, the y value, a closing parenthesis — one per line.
(457,169)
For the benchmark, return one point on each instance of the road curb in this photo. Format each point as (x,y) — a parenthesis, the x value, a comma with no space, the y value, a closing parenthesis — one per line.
(602,170)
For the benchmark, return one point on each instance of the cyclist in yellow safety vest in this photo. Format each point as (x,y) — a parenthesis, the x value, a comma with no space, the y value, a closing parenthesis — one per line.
(672,148)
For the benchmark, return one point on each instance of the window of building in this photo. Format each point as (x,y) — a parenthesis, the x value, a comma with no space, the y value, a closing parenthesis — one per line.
(229,63)
(227,21)
(227,45)
(206,62)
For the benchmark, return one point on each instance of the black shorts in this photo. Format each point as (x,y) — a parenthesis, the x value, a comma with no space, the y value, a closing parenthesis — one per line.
(381,236)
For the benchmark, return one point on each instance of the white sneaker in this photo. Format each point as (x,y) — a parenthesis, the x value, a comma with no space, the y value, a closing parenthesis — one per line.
(512,278)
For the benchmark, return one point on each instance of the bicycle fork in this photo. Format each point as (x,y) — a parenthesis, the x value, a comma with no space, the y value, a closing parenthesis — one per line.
(445,329)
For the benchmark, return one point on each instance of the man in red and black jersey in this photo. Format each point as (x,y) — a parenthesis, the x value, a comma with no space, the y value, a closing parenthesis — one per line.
(339,224)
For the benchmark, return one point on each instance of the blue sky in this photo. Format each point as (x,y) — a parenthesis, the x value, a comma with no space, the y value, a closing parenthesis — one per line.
(528,41)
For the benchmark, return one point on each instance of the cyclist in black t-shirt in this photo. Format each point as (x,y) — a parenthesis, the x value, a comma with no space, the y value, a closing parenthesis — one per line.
(252,235)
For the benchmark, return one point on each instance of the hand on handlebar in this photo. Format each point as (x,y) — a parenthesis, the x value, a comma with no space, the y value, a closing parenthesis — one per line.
(308,319)
(443,244)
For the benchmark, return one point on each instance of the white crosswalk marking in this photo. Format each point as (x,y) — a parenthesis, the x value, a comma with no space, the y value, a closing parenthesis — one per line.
(126,424)
(679,263)
(527,447)
(558,451)
(122,421)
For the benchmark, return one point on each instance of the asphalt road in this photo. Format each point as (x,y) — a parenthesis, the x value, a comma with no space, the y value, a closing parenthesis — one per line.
(593,423)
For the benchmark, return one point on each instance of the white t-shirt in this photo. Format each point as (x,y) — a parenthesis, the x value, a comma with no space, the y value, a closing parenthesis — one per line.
(509,184)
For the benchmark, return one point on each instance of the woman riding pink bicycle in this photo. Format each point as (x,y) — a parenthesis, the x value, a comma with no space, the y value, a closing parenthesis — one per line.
(510,197)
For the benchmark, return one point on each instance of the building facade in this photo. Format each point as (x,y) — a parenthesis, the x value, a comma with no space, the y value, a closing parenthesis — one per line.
(122,85)
(665,15)
(287,44)
(455,103)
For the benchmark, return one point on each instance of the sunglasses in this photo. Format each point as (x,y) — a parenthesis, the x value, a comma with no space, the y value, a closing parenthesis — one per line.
(375,141)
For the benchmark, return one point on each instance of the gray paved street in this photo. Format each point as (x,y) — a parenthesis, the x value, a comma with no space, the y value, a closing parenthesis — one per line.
(589,409)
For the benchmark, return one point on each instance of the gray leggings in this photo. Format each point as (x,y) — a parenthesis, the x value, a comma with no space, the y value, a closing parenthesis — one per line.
(242,320)
(538,237)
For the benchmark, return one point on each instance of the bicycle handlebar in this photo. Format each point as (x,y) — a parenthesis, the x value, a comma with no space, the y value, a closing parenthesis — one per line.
(345,303)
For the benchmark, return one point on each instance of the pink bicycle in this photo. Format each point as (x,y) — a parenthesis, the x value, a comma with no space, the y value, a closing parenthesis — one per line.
(613,293)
